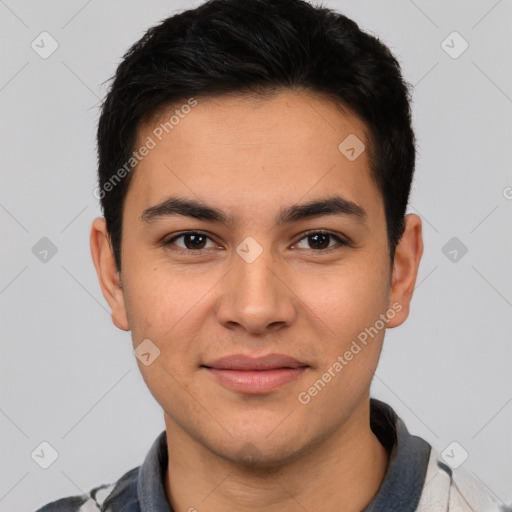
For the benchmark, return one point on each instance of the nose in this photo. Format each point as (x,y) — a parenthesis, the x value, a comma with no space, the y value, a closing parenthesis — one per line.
(256,297)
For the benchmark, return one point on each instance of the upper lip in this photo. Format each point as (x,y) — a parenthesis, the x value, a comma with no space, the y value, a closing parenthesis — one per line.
(243,362)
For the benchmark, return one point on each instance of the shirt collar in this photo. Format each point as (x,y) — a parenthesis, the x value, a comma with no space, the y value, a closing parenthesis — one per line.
(400,490)
(151,484)
(408,461)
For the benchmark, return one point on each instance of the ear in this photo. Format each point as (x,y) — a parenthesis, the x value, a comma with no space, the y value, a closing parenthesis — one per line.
(405,269)
(108,275)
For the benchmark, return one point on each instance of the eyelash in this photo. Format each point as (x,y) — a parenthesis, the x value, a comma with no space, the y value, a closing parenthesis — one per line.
(341,241)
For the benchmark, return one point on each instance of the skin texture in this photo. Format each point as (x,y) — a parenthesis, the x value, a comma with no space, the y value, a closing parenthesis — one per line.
(250,158)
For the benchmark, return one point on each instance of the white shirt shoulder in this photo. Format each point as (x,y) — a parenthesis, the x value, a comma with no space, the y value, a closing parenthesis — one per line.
(450,490)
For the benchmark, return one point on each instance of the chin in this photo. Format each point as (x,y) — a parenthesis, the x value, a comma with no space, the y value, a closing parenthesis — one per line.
(258,450)
(251,457)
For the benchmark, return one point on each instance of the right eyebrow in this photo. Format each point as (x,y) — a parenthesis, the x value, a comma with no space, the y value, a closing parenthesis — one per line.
(186,207)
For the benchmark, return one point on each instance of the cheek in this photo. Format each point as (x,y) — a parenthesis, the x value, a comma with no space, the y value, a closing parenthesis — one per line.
(347,300)
(155,294)
(169,307)
(347,306)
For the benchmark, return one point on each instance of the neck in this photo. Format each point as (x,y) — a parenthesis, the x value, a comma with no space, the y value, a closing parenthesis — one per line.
(344,470)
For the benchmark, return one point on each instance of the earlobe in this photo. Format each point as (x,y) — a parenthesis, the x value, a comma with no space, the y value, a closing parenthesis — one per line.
(108,275)
(405,268)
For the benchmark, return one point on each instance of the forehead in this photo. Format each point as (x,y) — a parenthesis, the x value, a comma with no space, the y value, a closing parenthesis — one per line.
(246,120)
(244,152)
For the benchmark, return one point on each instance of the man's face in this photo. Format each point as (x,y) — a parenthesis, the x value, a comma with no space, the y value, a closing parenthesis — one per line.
(253,286)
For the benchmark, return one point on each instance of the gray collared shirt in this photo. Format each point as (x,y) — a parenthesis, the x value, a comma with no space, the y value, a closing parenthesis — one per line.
(416,479)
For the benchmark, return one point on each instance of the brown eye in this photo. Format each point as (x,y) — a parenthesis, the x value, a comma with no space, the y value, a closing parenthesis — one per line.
(192,241)
(320,240)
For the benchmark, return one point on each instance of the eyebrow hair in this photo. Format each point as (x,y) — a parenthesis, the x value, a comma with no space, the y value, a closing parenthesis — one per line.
(333,205)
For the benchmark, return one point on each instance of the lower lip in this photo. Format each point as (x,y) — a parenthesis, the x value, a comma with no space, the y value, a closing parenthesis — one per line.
(256,382)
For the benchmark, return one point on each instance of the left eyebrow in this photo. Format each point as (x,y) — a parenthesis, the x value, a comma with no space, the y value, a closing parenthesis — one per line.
(334,205)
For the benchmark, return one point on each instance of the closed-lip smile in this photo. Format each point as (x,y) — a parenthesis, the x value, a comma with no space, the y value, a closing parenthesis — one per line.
(255,375)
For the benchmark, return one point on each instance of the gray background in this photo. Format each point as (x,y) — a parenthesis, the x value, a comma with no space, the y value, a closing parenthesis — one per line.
(69,376)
